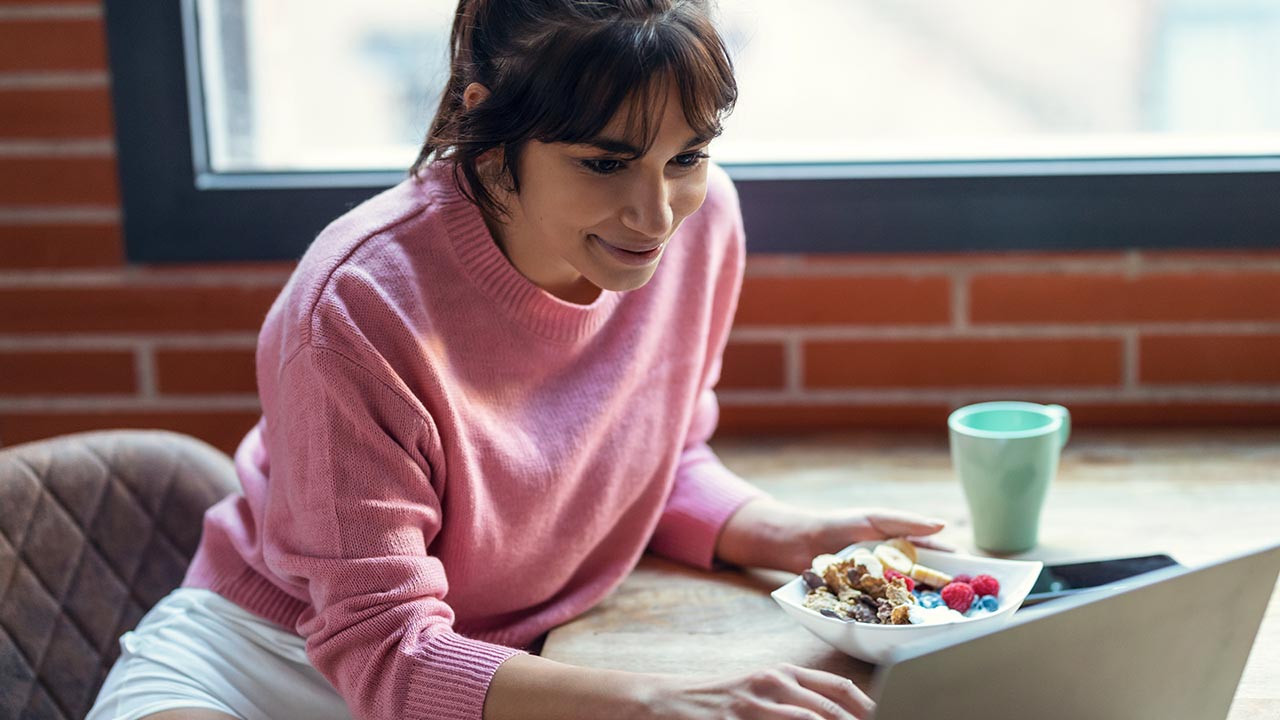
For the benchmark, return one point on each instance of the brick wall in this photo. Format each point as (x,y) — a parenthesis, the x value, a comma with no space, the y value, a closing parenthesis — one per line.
(88,341)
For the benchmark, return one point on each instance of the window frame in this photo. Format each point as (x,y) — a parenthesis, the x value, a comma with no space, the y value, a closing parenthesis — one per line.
(175,212)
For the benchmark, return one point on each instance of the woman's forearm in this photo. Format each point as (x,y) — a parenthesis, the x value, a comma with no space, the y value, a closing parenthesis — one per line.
(528,687)
(766,533)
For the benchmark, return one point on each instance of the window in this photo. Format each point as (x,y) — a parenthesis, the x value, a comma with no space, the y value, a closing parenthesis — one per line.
(246,125)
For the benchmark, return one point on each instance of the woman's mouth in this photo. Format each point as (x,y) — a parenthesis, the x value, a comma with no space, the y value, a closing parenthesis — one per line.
(633,258)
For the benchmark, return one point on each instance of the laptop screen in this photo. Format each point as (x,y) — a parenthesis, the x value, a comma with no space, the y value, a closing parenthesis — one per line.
(1170,645)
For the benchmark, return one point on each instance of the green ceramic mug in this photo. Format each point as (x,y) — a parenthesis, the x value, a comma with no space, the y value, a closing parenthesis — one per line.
(1006,454)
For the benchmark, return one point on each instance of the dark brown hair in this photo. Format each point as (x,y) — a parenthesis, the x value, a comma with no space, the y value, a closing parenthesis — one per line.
(558,71)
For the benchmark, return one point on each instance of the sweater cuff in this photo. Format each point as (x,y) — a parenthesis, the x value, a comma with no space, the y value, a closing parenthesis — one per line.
(705,497)
(452,681)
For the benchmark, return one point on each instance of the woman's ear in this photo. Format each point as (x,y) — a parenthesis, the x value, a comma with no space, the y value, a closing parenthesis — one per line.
(490,163)
(474,95)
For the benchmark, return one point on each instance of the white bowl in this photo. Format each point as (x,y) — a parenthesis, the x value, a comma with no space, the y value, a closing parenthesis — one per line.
(873,643)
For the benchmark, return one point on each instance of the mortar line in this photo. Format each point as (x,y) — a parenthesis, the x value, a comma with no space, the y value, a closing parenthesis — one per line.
(960,300)
(1131,360)
(145,357)
(794,364)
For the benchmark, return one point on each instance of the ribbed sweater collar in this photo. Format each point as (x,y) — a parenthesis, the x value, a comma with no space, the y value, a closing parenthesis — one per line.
(491,271)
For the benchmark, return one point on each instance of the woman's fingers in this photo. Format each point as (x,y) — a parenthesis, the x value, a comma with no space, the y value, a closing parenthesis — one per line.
(892,523)
(832,691)
(932,543)
(793,711)
(841,690)
(781,692)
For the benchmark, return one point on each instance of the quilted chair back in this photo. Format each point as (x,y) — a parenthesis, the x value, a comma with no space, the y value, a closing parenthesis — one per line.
(95,528)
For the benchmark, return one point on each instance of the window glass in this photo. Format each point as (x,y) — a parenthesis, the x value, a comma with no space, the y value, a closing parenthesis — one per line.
(291,85)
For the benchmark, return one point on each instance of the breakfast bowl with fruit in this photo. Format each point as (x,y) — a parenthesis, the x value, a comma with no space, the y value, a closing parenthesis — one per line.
(871,597)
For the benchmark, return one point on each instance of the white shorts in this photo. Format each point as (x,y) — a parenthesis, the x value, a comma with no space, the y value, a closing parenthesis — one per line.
(196,649)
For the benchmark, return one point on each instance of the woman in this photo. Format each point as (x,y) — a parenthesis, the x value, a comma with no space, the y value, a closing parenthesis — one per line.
(485,393)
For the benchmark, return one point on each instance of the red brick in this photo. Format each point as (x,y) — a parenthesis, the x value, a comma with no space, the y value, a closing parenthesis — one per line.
(258,270)
(1206,413)
(60,246)
(962,363)
(1209,359)
(58,181)
(1168,297)
(180,372)
(1242,256)
(67,372)
(753,365)
(223,429)
(871,260)
(844,301)
(61,113)
(134,309)
(69,44)
(802,418)
(799,418)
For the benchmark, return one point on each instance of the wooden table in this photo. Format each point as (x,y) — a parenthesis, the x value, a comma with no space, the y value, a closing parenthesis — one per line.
(1198,495)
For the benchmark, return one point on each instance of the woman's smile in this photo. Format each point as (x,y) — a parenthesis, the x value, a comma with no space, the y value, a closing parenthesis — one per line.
(631,257)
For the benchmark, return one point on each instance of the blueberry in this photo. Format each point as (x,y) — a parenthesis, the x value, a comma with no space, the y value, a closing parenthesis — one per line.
(930,600)
(989,603)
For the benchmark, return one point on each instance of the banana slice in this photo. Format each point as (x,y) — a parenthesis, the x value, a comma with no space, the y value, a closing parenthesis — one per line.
(821,562)
(865,558)
(894,558)
(903,546)
(929,576)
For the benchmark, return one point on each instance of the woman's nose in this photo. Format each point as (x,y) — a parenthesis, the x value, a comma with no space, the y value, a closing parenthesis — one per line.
(648,207)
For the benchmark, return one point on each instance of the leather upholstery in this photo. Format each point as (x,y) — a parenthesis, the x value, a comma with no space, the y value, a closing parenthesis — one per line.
(95,528)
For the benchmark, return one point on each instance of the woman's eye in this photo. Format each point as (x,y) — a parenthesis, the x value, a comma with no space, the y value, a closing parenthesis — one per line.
(603,167)
(689,160)
(609,166)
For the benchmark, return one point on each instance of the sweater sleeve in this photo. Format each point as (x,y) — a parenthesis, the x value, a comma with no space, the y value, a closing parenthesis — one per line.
(351,512)
(706,493)
(705,496)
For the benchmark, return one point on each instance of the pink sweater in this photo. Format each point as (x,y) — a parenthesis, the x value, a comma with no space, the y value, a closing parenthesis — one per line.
(452,461)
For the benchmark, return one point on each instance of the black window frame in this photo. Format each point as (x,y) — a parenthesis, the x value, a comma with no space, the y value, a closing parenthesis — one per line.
(173,212)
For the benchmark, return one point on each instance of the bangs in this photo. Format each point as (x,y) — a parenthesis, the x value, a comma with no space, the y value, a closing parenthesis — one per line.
(559,71)
(592,72)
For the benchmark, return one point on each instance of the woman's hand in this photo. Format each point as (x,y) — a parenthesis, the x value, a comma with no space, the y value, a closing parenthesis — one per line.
(781,692)
(771,534)
(529,687)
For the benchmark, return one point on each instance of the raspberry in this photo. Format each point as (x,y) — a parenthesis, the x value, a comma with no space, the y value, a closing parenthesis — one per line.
(986,585)
(962,578)
(958,596)
(890,574)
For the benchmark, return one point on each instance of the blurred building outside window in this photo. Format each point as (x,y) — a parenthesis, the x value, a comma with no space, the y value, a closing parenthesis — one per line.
(294,86)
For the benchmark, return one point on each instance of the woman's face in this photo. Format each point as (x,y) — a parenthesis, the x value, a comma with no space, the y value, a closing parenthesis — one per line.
(587,218)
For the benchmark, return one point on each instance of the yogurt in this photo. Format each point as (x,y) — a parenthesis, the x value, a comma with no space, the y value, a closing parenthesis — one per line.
(920,615)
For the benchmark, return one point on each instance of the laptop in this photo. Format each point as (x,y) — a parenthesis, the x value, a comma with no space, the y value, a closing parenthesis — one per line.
(1166,645)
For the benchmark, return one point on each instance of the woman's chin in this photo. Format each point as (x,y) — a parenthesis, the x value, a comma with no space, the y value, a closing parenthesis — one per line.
(622,281)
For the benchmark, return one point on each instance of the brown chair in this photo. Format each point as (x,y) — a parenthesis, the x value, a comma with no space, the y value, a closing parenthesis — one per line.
(95,528)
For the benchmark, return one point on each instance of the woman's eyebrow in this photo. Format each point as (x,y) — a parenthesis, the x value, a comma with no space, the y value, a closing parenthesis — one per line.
(622,147)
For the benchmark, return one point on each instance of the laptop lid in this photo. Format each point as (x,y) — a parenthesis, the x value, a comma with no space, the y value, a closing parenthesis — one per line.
(1168,645)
